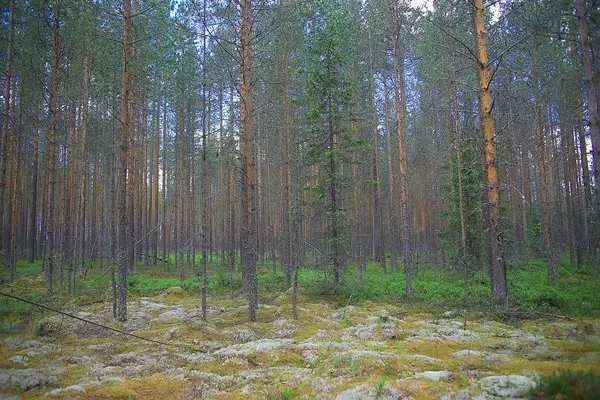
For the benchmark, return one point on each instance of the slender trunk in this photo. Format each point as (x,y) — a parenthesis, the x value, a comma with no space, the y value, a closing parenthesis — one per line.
(400,96)
(497,263)
(164,187)
(51,161)
(155,232)
(123,215)
(82,198)
(33,221)
(461,200)
(392,229)
(378,240)
(205,188)
(590,89)
(132,227)
(7,123)
(247,237)
(544,187)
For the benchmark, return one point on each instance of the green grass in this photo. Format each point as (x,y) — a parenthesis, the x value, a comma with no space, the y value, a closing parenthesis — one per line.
(568,385)
(574,294)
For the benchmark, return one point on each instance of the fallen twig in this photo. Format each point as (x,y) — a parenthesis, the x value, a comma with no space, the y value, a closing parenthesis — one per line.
(88,321)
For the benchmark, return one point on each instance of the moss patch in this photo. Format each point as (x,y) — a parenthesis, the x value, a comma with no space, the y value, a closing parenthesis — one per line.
(158,387)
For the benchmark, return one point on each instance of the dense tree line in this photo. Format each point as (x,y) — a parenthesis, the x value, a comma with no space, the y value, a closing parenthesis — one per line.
(465,135)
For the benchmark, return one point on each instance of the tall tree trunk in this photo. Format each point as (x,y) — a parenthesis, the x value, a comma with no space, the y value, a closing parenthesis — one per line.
(392,226)
(164,187)
(205,188)
(51,160)
(544,187)
(83,190)
(247,236)
(33,221)
(378,239)
(497,262)
(594,115)
(461,201)
(400,96)
(123,215)
(132,227)
(590,89)
(7,123)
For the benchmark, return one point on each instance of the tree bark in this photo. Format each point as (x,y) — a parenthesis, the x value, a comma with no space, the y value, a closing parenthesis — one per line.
(247,138)
(400,96)
(51,160)
(123,215)
(497,262)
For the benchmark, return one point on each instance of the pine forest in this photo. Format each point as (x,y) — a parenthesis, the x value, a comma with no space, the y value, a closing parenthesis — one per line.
(277,199)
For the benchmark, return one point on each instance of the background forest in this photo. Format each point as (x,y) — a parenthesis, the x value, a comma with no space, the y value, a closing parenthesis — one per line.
(367,149)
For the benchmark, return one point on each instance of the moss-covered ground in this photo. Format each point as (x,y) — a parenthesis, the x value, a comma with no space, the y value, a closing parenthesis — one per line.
(369,342)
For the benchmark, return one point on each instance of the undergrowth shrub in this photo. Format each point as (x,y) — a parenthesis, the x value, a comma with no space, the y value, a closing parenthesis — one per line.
(568,385)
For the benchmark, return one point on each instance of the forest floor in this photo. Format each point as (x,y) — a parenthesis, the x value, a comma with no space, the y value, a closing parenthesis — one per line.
(333,350)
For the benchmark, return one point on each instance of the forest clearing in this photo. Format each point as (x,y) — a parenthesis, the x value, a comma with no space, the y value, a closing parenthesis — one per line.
(334,199)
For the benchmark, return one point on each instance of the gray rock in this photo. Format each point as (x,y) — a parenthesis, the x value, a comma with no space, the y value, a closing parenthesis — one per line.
(434,376)
(421,357)
(18,343)
(240,335)
(369,392)
(360,332)
(258,346)
(128,359)
(149,305)
(326,345)
(38,351)
(197,358)
(132,326)
(512,386)
(322,334)
(498,358)
(25,379)
(523,334)
(467,353)
(61,391)
(175,291)
(443,330)
(462,395)
(19,360)
(173,333)
(343,312)
(283,328)
(180,314)
(291,374)
(211,376)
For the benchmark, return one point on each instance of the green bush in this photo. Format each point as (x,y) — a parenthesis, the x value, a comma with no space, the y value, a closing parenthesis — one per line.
(568,385)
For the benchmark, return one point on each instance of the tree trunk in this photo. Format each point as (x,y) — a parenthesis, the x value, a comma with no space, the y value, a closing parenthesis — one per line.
(497,263)
(34,188)
(123,215)
(51,160)
(400,96)
(7,123)
(247,138)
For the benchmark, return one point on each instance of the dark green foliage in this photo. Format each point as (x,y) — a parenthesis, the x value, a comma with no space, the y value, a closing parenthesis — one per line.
(568,384)
(534,247)
(450,236)
(329,137)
